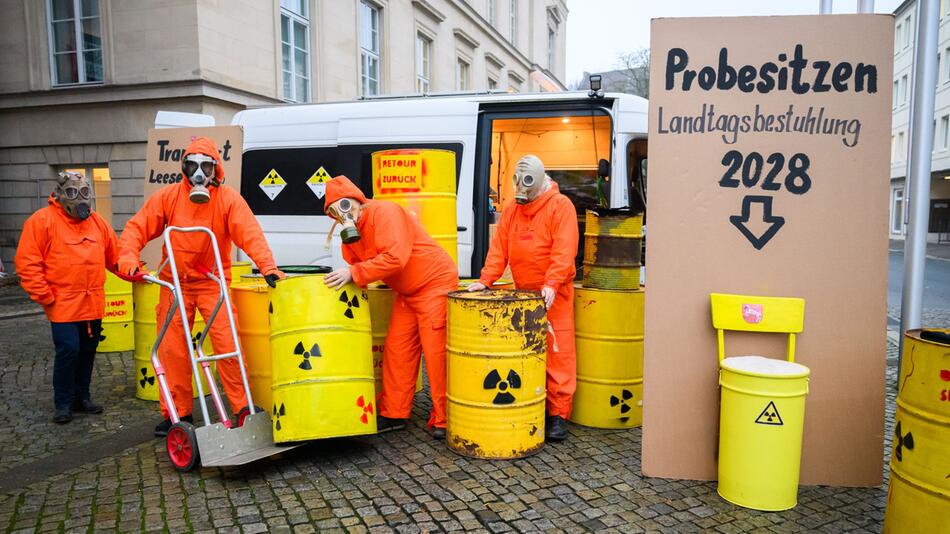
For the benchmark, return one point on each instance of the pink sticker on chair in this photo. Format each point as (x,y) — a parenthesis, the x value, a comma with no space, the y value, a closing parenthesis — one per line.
(752,313)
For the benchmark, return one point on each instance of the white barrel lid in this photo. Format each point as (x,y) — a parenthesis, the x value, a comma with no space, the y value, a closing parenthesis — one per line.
(764,366)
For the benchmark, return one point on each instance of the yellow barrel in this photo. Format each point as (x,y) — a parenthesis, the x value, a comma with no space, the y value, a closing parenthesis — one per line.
(496,375)
(145,299)
(251,302)
(499,284)
(761,418)
(117,330)
(424,182)
(608,328)
(918,496)
(612,249)
(238,270)
(322,360)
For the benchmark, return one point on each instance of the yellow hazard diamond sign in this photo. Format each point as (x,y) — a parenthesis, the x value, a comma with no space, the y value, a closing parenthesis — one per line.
(318,182)
(272,184)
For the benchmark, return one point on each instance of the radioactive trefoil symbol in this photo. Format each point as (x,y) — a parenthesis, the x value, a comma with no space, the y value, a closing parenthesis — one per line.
(150,380)
(625,395)
(314,351)
(350,304)
(367,409)
(493,381)
(277,414)
(904,441)
(195,341)
(770,416)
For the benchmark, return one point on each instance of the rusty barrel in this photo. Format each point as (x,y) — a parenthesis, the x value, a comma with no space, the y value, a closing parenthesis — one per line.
(612,249)
(608,326)
(918,495)
(117,328)
(496,373)
(321,360)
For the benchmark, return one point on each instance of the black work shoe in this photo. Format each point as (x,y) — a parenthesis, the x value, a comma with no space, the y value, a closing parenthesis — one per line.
(385,424)
(555,428)
(62,416)
(437,433)
(161,430)
(86,406)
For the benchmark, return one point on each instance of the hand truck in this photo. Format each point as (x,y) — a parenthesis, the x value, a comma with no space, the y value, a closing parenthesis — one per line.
(212,444)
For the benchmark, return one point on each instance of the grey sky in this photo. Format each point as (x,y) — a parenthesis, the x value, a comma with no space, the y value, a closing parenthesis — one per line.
(600,30)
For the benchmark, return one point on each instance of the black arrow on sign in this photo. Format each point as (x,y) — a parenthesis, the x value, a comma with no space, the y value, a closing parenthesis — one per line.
(775,222)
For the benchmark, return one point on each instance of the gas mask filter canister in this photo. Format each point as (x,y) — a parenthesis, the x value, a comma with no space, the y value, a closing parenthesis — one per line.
(200,171)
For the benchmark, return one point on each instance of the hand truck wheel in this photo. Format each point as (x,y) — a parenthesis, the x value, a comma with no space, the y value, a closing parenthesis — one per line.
(242,415)
(182,446)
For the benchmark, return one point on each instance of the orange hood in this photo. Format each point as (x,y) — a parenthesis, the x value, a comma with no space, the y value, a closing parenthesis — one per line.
(342,187)
(206,146)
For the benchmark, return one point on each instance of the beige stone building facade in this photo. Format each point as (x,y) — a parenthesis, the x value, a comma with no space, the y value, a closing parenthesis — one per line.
(81,80)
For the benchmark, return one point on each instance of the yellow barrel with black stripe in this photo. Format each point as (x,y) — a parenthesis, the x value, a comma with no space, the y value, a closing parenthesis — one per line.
(497,345)
(238,270)
(117,330)
(424,182)
(145,300)
(612,249)
(918,495)
(608,334)
(251,302)
(321,360)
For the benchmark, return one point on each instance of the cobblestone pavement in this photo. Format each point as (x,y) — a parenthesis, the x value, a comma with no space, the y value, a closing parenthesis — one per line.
(396,482)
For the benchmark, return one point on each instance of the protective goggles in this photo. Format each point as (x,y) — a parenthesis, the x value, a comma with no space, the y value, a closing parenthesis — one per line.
(339,209)
(526,181)
(73,192)
(195,161)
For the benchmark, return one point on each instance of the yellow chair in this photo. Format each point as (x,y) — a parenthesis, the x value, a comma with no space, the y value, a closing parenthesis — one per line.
(762,408)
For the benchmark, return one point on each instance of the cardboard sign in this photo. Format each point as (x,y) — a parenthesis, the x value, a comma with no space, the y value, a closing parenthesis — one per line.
(769,162)
(166,147)
(402,171)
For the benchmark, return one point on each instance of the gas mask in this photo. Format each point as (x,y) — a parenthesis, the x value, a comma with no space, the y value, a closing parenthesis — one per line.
(73,193)
(199,169)
(529,179)
(346,212)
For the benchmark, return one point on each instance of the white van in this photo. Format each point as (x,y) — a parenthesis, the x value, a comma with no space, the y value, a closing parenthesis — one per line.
(571,133)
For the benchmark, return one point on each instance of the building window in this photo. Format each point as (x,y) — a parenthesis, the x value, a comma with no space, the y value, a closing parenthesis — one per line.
(463,72)
(514,85)
(895,95)
(369,49)
(513,20)
(75,41)
(423,72)
(492,83)
(904,92)
(552,43)
(897,37)
(295,50)
(897,211)
(908,30)
(944,132)
(900,146)
(946,71)
(491,12)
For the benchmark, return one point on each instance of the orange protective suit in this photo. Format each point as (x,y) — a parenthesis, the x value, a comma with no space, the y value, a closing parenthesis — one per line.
(539,240)
(62,260)
(395,248)
(228,216)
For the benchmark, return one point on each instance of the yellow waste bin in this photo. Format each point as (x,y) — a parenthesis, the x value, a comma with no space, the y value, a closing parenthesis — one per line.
(117,330)
(321,360)
(918,495)
(762,407)
(145,301)
(251,301)
(424,182)
(238,270)
(496,373)
(608,334)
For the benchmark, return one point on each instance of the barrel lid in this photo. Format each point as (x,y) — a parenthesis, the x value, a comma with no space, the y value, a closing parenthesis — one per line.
(496,295)
(762,366)
(614,212)
(935,336)
(305,269)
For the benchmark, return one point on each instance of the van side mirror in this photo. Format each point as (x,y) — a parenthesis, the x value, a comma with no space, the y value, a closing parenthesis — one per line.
(603,168)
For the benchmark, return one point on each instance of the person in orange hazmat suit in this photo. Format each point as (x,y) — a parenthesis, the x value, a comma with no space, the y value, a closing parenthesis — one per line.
(64,251)
(198,200)
(382,241)
(537,236)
